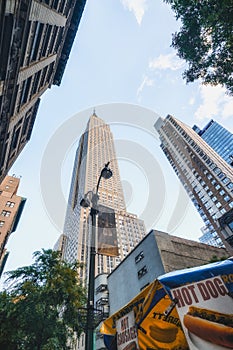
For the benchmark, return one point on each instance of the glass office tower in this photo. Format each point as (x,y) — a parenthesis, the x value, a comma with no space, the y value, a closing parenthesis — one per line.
(219,138)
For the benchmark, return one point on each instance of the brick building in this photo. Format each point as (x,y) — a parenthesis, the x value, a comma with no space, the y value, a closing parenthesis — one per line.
(11,207)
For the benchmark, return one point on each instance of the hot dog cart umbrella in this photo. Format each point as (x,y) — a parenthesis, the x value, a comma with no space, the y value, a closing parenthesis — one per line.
(185,309)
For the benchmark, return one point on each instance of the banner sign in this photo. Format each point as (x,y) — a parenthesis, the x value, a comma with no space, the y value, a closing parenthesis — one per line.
(205,306)
(185,309)
(127,338)
(107,234)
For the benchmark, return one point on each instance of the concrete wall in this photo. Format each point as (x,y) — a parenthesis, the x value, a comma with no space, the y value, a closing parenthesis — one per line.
(162,253)
(125,281)
(178,253)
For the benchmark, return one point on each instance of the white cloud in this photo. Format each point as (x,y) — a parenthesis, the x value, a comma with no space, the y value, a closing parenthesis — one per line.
(170,61)
(192,101)
(215,103)
(227,108)
(145,82)
(138,7)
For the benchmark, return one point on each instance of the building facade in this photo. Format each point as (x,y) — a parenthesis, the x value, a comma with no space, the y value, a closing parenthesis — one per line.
(219,138)
(157,254)
(11,207)
(206,176)
(35,42)
(96,148)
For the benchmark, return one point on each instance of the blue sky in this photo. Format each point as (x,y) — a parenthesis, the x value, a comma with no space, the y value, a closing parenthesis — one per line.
(121,58)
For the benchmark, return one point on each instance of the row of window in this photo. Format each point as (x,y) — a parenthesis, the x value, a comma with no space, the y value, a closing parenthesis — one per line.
(202,155)
(143,270)
(5,213)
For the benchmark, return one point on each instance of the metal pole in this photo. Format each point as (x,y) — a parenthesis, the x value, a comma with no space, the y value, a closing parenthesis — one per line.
(91,285)
(90,326)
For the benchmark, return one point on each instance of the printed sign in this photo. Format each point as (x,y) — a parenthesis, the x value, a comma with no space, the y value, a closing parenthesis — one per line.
(127,338)
(107,235)
(206,312)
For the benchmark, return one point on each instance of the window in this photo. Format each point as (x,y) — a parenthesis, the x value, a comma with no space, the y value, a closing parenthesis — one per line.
(142,272)
(147,284)
(217,170)
(230,185)
(227,198)
(230,224)
(225,180)
(221,175)
(10,204)
(2,223)
(101,288)
(139,257)
(5,213)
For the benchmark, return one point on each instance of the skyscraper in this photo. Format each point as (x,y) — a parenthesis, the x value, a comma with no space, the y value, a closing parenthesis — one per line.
(35,43)
(219,138)
(96,148)
(206,176)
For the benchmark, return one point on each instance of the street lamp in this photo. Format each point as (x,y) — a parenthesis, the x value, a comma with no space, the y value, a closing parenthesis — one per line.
(106,173)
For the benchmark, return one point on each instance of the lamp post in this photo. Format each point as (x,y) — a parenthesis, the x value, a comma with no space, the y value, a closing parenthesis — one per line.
(106,173)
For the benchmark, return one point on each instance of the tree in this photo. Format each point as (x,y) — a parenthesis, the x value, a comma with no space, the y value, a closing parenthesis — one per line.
(39,309)
(205,40)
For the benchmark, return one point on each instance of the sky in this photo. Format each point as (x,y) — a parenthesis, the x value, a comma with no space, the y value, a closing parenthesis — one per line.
(122,65)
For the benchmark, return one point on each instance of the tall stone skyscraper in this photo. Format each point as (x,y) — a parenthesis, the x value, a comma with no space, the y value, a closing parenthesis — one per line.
(96,148)
(205,175)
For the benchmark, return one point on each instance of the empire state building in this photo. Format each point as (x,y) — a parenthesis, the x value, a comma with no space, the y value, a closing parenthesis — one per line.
(96,148)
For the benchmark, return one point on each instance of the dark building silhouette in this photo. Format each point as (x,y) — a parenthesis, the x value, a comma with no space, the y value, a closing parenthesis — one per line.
(36,38)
